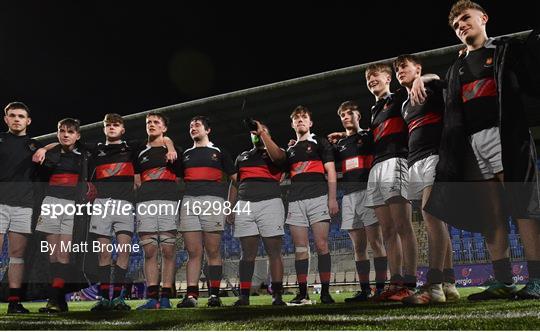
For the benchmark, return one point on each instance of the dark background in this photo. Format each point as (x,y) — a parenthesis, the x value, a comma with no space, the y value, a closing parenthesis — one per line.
(65,58)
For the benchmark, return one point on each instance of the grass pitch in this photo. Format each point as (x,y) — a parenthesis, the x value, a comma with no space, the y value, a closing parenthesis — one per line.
(464,315)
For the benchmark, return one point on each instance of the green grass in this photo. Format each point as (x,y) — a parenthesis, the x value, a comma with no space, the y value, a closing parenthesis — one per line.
(464,315)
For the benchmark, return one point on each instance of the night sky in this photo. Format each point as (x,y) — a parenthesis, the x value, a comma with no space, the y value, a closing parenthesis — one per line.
(65,58)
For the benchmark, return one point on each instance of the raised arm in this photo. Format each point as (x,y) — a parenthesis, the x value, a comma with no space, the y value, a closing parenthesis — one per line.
(418,90)
(39,155)
(171,155)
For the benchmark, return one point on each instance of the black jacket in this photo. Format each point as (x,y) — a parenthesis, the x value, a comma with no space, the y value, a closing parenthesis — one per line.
(517,75)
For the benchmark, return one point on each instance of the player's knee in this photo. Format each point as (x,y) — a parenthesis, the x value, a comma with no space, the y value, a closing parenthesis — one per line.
(321,245)
(168,253)
(105,255)
(389,231)
(404,228)
(213,253)
(249,255)
(63,258)
(195,251)
(274,252)
(377,247)
(16,252)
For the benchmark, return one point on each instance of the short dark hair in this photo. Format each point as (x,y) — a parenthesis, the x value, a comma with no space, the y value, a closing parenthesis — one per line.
(378,67)
(17,105)
(160,115)
(70,123)
(459,7)
(202,119)
(348,105)
(301,109)
(113,118)
(404,58)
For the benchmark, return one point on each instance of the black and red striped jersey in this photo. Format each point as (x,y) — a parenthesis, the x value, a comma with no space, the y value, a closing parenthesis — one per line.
(258,176)
(354,157)
(479,90)
(158,177)
(114,169)
(65,169)
(424,122)
(205,169)
(389,128)
(306,161)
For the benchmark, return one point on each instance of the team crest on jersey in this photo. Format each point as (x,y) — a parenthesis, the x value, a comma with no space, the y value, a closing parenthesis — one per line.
(32,147)
(360,142)
(186,157)
(489,61)
(308,149)
(101,153)
(387,106)
(291,153)
(264,155)
(214,157)
(342,148)
(144,159)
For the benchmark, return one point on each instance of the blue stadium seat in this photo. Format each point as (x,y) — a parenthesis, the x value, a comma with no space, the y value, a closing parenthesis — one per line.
(479,248)
(456,247)
(455,232)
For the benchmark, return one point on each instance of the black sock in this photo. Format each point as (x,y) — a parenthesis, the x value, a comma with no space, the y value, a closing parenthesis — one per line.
(503,271)
(166,292)
(277,288)
(59,280)
(104,274)
(119,278)
(449,276)
(409,281)
(302,268)
(434,276)
(15,295)
(192,291)
(534,269)
(396,280)
(362,268)
(215,273)
(381,271)
(246,274)
(324,263)
(152,292)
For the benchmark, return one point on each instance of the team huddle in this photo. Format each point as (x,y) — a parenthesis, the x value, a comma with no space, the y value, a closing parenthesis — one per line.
(430,133)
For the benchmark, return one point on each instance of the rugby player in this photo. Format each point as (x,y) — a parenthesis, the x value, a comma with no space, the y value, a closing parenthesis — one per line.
(205,167)
(258,183)
(16,195)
